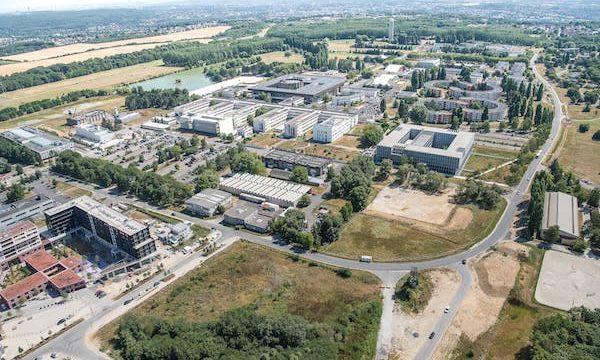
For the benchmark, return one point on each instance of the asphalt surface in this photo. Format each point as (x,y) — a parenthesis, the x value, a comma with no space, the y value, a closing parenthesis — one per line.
(72,342)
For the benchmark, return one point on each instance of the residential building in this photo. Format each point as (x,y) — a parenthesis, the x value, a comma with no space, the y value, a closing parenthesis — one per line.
(311,87)
(48,271)
(42,143)
(16,241)
(207,201)
(98,222)
(441,150)
(287,160)
(262,188)
(561,210)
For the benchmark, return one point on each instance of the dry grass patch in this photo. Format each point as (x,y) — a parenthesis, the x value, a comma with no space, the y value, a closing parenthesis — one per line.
(71,191)
(324,150)
(101,80)
(279,56)
(249,274)
(350,141)
(390,239)
(580,153)
(265,140)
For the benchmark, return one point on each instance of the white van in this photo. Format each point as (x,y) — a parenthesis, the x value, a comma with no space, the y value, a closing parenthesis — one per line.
(366,258)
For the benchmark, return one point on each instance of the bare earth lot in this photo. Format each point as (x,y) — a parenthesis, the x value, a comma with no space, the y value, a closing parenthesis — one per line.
(85,51)
(400,201)
(494,276)
(567,281)
(404,344)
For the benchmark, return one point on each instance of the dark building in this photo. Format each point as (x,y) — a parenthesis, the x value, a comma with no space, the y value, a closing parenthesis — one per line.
(309,87)
(102,223)
(286,160)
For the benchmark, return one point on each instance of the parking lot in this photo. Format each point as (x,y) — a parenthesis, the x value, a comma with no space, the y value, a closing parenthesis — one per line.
(567,281)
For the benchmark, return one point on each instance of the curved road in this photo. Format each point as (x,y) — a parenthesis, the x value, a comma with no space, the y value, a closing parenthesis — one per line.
(73,342)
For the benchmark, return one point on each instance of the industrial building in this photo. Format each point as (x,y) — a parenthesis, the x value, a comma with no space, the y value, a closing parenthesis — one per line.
(43,144)
(428,63)
(17,241)
(561,210)
(215,116)
(310,87)
(24,209)
(60,275)
(91,117)
(207,201)
(286,160)
(254,217)
(441,150)
(94,133)
(261,188)
(332,126)
(99,222)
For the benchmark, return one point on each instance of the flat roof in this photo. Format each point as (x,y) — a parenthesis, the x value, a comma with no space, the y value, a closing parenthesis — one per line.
(310,85)
(65,278)
(41,260)
(16,229)
(398,137)
(298,159)
(101,212)
(34,139)
(561,210)
(209,198)
(263,186)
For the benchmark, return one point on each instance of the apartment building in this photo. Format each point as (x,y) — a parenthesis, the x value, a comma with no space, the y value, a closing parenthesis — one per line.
(16,241)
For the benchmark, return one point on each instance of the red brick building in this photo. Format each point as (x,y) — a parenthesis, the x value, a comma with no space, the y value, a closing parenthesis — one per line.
(48,272)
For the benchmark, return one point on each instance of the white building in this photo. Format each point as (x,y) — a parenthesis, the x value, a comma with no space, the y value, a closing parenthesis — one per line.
(333,127)
(428,63)
(302,121)
(270,120)
(391,30)
(208,124)
(262,188)
(94,133)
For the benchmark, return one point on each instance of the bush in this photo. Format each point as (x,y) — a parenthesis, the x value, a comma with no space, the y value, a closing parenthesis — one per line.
(304,201)
(579,246)
(344,273)
(583,128)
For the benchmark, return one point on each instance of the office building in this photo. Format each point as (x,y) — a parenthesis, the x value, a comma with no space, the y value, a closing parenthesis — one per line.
(332,126)
(441,150)
(287,160)
(42,143)
(273,119)
(207,201)
(17,241)
(254,217)
(301,121)
(94,133)
(262,188)
(561,210)
(24,209)
(99,222)
(310,87)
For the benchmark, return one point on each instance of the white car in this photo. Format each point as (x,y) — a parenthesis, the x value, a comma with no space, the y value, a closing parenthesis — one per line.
(446,309)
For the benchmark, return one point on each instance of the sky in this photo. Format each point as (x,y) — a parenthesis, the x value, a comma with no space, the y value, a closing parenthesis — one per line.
(38,5)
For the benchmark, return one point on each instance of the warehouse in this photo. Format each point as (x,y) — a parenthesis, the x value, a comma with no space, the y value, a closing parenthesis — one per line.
(286,160)
(275,191)
(560,210)
(441,150)
(310,87)
(207,201)
(43,144)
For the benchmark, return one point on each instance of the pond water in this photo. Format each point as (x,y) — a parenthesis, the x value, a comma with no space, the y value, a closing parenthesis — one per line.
(191,79)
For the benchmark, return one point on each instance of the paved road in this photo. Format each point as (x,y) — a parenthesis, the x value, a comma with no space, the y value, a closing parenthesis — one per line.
(73,341)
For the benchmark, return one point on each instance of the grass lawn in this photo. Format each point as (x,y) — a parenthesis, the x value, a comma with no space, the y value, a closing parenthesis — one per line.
(498,175)
(279,56)
(71,191)
(509,337)
(395,240)
(349,141)
(580,153)
(266,139)
(479,163)
(575,111)
(323,150)
(492,151)
(274,284)
(341,45)
(101,80)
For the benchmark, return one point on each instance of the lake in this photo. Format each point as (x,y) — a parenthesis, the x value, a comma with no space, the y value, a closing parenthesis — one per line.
(192,79)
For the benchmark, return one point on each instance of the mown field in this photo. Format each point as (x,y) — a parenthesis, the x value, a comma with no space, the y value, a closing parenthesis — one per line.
(100,80)
(270,284)
(580,153)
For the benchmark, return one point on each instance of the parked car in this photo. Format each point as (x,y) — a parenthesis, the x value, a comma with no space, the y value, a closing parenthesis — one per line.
(431,336)
(127,301)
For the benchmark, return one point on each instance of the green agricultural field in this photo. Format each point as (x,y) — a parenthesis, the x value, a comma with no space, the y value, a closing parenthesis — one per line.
(251,280)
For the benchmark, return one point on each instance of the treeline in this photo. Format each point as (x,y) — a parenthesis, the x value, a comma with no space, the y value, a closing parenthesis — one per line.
(221,51)
(38,105)
(23,47)
(17,154)
(156,98)
(246,333)
(243,28)
(575,335)
(148,186)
